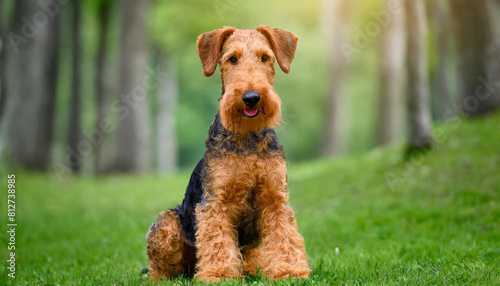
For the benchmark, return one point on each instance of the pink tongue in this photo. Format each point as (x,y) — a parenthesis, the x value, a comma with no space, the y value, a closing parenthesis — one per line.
(251,112)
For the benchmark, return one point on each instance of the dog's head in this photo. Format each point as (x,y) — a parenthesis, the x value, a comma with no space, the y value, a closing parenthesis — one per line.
(246,57)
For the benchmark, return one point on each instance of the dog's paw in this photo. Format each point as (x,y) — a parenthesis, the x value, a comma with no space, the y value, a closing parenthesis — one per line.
(285,271)
(208,279)
(215,276)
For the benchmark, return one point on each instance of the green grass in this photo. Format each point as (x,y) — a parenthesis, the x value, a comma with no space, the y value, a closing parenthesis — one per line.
(432,221)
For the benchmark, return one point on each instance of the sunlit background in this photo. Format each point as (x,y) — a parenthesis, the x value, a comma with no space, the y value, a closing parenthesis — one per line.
(390,129)
(349,70)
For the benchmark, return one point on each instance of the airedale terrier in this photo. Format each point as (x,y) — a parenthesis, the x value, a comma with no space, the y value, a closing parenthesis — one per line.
(235,216)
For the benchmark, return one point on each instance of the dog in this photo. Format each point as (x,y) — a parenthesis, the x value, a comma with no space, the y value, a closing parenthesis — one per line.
(235,216)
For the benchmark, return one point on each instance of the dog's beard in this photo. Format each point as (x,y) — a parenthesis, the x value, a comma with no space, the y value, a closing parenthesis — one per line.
(233,117)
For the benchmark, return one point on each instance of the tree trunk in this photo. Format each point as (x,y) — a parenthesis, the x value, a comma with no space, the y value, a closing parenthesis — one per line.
(440,20)
(133,149)
(419,115)
(336,19)
(100,86)
(478,56)
(167,101)
(75,125)
(33,44)
(392,59)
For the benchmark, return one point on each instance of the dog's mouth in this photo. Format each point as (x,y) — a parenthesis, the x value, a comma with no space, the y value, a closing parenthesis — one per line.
(249,112)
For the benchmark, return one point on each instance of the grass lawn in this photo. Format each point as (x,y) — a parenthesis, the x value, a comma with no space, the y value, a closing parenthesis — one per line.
(366,219)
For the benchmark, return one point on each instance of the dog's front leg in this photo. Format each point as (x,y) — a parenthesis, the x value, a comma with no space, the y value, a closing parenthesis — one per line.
(216,241)
(283,246)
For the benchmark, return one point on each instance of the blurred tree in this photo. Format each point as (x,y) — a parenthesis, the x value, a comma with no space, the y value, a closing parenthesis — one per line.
(392,58)
(168,94)
(336,17)
(75,124)
(103,12)
(33,43)
(133,141)
(419,114)
(478,56)
(172,28)
(174,32)
(440,20)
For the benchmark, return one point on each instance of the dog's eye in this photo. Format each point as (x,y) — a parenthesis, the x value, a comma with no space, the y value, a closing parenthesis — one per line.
(233,59)
(264,58)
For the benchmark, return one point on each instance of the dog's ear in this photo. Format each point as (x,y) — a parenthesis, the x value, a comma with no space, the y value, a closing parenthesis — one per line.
(209,47)
(283,44)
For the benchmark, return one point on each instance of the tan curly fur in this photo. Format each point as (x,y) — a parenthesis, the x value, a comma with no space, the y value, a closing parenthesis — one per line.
(169,254)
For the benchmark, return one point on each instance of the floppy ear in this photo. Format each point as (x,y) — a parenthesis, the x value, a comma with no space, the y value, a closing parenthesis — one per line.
(209,47)
(283,44)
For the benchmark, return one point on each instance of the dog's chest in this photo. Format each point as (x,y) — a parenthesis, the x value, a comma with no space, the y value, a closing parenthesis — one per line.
(235,180)
(239,175)
(247,226)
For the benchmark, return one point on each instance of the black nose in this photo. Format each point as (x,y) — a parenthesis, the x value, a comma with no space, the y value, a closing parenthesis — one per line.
(251,98)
